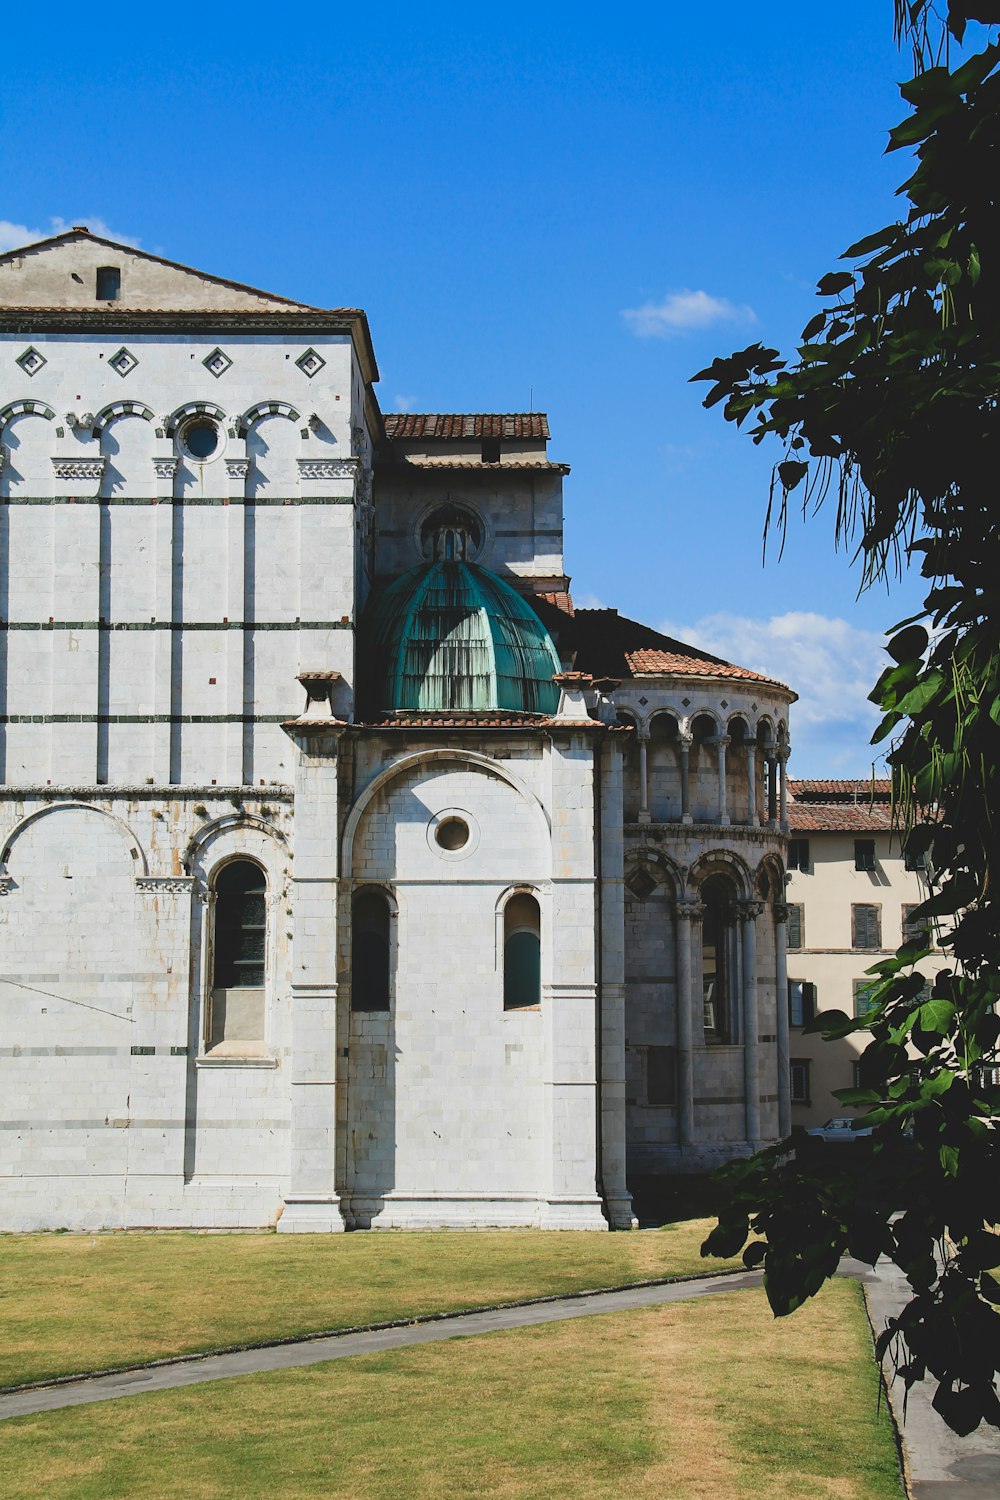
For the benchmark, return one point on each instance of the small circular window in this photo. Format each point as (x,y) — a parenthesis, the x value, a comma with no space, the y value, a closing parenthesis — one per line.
(200,439)
(452,834)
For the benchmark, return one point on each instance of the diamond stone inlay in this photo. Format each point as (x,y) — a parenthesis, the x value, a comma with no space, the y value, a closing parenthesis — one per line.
(217,362)
(31,361)
(641,883)
(643,702)
(686,702)
(124,362)
(310,363)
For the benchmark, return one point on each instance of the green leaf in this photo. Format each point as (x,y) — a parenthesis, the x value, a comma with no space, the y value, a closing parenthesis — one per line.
(923,694)
(792,472)
(834,282)
(948,1157)
(937,1016)
(907,644)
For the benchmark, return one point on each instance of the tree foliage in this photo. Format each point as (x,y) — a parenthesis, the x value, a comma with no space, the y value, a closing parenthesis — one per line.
(892,409)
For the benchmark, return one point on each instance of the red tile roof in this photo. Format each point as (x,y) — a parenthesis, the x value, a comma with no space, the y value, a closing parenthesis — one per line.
(840,806)
(533,424)
(486,719)
(824,817)
(608,645)
(559,599)
(840,791)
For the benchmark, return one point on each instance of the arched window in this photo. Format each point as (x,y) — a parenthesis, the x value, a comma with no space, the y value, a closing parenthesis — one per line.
(239,954)
(522,953)
(370,951)
(718,961)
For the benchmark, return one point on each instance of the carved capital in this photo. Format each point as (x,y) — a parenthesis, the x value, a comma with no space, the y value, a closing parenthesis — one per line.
(690,911)
(749,910)
(780,910)
(6,885)
(237,468)
(165,468)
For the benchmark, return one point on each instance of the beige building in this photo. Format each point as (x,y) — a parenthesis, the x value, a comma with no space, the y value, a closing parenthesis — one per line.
(850,891)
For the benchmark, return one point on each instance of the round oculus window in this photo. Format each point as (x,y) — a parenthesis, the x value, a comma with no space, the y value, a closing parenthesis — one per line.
(452,834)
(200,439)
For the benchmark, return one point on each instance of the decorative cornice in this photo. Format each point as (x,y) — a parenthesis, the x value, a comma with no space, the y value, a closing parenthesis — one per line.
(78,468)
(327,468)
(165,885)
(165,468)
(6,885)
(237,468)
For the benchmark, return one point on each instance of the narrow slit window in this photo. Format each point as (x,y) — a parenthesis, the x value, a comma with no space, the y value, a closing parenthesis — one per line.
(522,953)
(370,952)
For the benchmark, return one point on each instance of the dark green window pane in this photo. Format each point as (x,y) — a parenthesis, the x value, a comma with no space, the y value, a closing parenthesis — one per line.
(240,934)
(522,970)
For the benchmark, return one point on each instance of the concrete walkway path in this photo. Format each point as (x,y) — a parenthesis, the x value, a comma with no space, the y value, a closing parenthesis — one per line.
(940,1466)
(185,1372)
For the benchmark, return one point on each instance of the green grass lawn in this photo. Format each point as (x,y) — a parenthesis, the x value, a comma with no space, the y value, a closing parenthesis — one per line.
(71,1304)
(707,1400)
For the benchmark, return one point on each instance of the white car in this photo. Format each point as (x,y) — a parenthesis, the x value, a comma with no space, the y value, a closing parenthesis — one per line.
(840,1128)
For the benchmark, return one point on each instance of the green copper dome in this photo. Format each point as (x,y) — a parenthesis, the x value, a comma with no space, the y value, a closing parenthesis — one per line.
(451,635)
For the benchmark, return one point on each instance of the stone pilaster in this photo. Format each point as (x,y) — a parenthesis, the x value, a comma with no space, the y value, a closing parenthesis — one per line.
(312,1203)
(617,1200)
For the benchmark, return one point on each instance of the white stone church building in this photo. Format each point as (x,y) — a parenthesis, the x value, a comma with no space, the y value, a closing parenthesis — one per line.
(348,876)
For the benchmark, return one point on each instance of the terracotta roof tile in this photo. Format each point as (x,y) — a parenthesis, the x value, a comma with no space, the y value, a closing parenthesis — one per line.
(452,425)
(423,461)
(864,791)
(825,817)
(560,599)
(487,719)
(608,645)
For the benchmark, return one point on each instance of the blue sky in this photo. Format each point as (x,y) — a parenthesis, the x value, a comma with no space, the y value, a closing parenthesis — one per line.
(574,207)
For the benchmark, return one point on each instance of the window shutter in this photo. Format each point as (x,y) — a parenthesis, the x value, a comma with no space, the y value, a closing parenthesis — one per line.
(808,1003)
(795,926)
(865,925)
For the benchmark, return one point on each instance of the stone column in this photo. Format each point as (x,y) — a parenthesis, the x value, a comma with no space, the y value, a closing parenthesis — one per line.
(781,1000)
(311,1202)
(752,784)
(772,790)
(684,751)
(749,911)
(721,745)
(643,778)
(689,914)
(783,782)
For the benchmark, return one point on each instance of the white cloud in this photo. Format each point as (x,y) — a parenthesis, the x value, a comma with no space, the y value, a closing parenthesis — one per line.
(403,403)
(14,235)
(829,662)
(588,600)
(679,312)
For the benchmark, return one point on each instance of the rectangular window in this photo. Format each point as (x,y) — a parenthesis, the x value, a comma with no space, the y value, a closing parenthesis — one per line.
(863,1005)
(864,854)
(801,1002)
(796,925)
(798,855)
(799,1073)
(915,931)
(109,284)
(866,926)
(661,1077)
(915,861)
